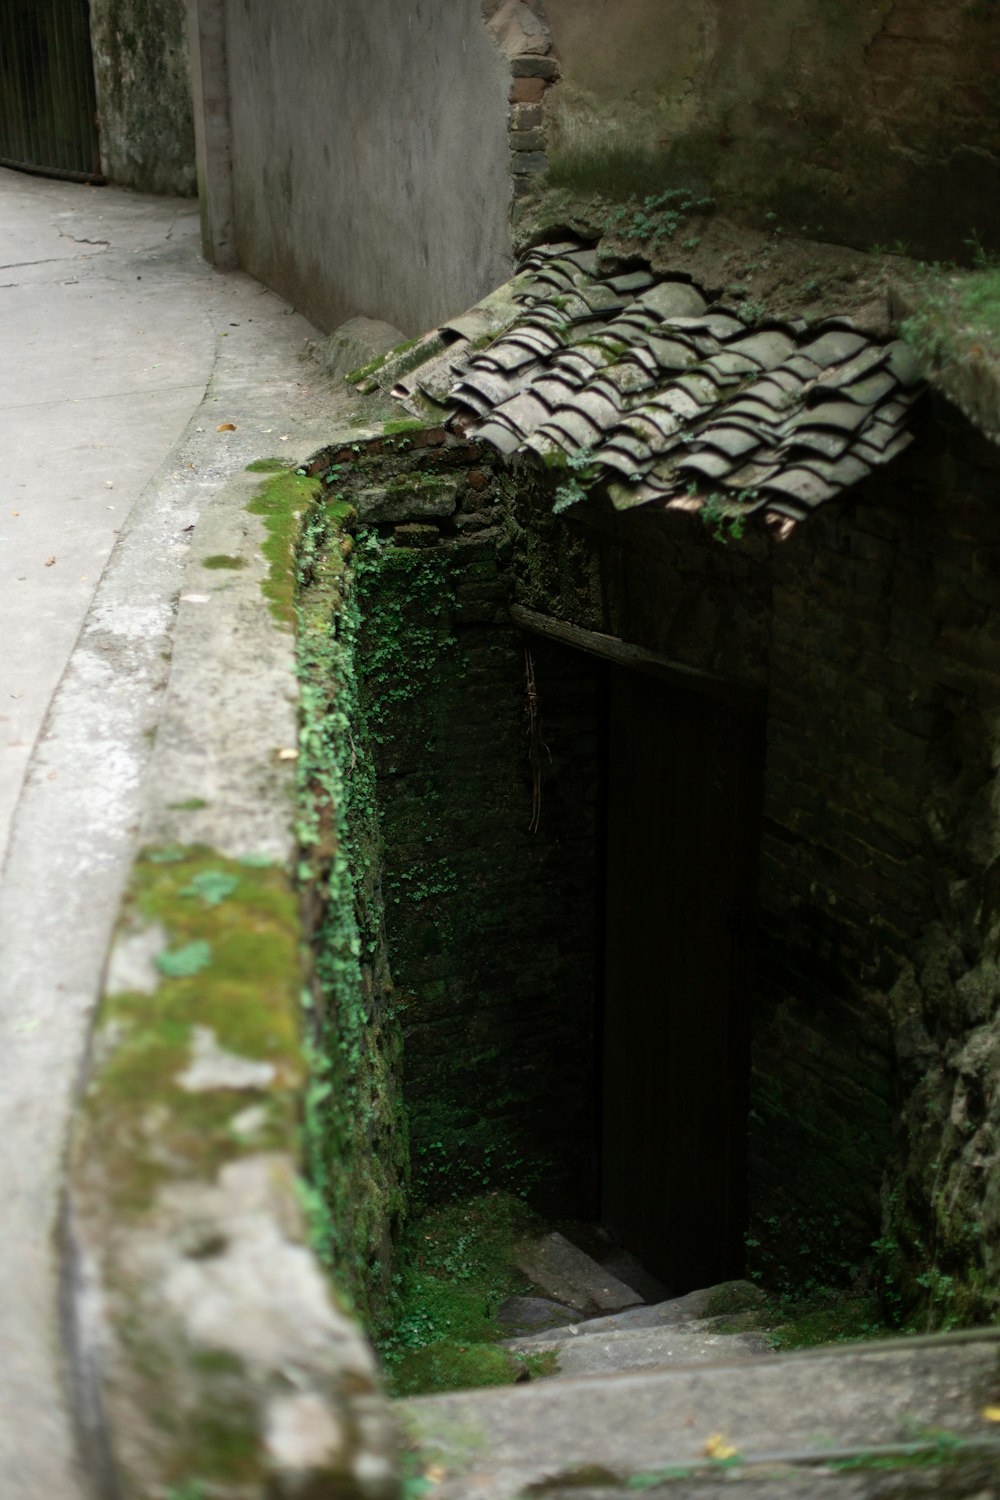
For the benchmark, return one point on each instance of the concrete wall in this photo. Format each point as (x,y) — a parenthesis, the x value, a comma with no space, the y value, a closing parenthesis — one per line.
(370,155)
(862,120)
(141,70)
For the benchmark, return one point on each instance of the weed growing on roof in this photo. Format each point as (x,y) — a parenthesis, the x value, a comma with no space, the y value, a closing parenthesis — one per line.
(724,515)
(751,311)
(656,217)
(572,490)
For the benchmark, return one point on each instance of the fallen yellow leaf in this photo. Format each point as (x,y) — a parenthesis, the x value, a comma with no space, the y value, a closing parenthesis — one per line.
(226,427)
(717,1447)
(991,1413)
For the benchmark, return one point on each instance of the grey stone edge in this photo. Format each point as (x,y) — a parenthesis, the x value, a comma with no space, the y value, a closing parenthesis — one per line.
(237,1312)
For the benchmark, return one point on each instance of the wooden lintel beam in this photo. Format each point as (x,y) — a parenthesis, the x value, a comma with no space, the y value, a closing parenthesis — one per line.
(624,654)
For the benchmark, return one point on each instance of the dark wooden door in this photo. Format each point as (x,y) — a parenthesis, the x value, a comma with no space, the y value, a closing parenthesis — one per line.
(682,811)
(48,109)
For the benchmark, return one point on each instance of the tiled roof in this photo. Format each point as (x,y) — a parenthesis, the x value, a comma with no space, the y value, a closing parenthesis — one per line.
(669,397)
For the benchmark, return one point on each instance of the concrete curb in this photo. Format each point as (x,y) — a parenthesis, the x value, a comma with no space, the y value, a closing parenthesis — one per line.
(247,1329)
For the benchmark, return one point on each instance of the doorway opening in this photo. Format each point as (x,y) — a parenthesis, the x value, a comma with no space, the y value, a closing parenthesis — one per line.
(679,862)
(674,869)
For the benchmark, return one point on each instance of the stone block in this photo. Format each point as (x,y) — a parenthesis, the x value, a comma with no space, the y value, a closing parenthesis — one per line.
(535,67)
(528,163)
(519,31)
(353,345)
(412,501)
(526,116)
(573,1278)
(526,90)
(527,140)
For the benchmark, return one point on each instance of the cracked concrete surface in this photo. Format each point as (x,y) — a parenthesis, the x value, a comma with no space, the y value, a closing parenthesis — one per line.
(123,354)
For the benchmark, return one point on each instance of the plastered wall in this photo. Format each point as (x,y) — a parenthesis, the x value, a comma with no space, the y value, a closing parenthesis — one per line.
(859,120)
(141,72)
(370,155)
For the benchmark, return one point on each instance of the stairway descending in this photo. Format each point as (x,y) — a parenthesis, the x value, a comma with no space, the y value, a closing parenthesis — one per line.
(655,1397)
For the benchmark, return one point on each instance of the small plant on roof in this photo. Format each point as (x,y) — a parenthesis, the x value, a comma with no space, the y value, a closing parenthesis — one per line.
(574,489)
(658,216)
(724,515)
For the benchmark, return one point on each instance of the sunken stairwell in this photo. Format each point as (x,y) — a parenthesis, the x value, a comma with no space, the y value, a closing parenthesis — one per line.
(481,733)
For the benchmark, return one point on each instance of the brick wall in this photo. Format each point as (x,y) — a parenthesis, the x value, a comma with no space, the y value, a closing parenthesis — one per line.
(489,913)
(875,631)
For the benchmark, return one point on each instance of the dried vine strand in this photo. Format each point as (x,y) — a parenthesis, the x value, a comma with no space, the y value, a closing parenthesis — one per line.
(535,742)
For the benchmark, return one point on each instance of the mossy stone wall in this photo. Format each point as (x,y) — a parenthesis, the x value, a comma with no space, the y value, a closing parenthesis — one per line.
(454,941)
(874,632)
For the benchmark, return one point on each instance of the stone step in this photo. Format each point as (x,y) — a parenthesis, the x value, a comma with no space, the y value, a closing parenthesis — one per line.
(523,1317)
(580,1353)
(728,1298)
(970,1477)
(595,1241)
(568,1275)
(798,1409)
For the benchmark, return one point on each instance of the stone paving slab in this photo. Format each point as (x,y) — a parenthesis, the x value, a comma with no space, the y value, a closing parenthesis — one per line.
(496,1445)
(972,1478)
(579,1352)
(677,1312)
(568,1275)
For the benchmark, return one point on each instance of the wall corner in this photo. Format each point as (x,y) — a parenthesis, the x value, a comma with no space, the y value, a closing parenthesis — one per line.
(521,34)
(213,131)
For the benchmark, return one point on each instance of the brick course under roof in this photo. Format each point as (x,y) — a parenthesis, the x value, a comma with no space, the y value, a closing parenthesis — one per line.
(669,399)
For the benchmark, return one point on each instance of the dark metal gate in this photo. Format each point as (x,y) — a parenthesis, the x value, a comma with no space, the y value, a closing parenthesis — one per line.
(48,107)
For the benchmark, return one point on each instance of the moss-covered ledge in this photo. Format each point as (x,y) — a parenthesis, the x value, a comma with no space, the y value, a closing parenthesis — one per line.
(210,1356)
(951,318)
(208,1335)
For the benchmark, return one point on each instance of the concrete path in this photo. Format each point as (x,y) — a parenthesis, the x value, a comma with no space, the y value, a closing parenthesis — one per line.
(123,353)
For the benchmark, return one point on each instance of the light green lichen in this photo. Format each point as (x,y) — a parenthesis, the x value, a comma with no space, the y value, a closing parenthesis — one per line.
(149,1127)
(283,502)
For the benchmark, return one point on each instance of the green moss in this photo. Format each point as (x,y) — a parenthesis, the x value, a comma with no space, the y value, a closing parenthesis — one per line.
(409,424)
(828,1319)
(355,1127)
(447,1366)
(805,1319)
(246,996)
(732,1297)
(190,804)
(364,372)
(283,502)
(956,316)
(457,1268)
(268,466)
(223,560)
